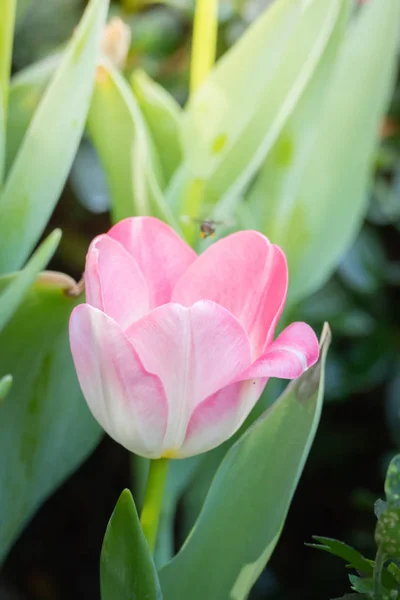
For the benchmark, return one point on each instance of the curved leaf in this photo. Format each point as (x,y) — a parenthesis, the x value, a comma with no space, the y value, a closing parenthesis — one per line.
(42,164)
(220,560)
(127,569)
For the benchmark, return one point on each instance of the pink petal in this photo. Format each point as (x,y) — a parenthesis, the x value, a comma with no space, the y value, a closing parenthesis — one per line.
(123,397)
(160,253)
(293,352)
(247,275)
(195,351)
(114,282)
(220,416)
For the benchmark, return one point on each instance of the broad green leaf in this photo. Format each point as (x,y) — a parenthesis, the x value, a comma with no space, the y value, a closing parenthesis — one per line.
(5,386)
(46,430)
(236,116)
(240,524)
(26,91)
(127,570)
(12,296)
(313,187)
(39,171)
(163,117)
(115,123)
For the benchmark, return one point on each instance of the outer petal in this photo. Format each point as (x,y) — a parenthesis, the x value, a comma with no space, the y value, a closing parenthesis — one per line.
(247,275)
(220,416)
(195,351)
(124,398)
(114,282)
(293,352)
(161,254)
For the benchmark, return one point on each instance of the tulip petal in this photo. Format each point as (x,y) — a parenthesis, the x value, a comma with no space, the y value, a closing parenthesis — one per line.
(293,352)
(161,254)
(114,283)
(220,416)
(247,275)
(195,351)
(127,401)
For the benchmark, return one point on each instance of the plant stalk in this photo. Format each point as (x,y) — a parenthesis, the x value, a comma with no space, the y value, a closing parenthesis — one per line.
(204,43)
(150,516)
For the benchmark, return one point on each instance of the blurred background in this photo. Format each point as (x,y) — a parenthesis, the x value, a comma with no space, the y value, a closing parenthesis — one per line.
(56,558)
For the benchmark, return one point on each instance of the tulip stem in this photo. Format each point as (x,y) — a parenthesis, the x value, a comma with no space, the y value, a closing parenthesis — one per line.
(150,516)
(204,43)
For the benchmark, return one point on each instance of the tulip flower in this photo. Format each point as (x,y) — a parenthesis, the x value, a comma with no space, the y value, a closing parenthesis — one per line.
(172,349)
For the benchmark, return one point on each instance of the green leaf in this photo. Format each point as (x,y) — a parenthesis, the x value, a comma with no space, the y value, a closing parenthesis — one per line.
(115,122)
(14,293)
(392,482)
(362,585)
(163,117)
(46,429)
(239,525)
(236,116)
(342,550)
(26,91)
(127,570)
(314,185)
(5,386)
(42,164)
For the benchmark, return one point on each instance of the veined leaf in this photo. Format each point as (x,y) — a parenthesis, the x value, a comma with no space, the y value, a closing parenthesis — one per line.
(267,461)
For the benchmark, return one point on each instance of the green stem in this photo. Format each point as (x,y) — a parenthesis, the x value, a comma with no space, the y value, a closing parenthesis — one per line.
(7,23)
(153,500)
(204,44)
(378,567)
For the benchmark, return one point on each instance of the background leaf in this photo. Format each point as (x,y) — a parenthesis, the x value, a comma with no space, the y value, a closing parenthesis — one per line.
(13,294)
(314,187)
(42,164)
(46,429)
(268,471)
(127,570)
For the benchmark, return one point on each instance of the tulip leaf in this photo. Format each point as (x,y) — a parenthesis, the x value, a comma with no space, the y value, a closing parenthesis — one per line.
(312,191)
(163,117)
(127,569)
(234,118)
(41,166)
(46,429)
(5,386)
(13,294)
(25,94)
(116,126)
(242,522)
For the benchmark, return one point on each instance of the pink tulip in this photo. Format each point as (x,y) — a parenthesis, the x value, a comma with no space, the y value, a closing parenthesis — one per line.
(172,349)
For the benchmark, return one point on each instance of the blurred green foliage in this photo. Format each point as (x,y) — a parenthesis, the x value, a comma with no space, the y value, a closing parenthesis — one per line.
(361,300)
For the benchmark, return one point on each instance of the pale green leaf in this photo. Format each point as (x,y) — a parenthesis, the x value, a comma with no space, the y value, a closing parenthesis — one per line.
(46,429)
(127,569)
(245,509)
(115,122)
(39,171)
(26,91)
(13,294)
(163,117)
(234,119)
(312,191)
(5,386)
